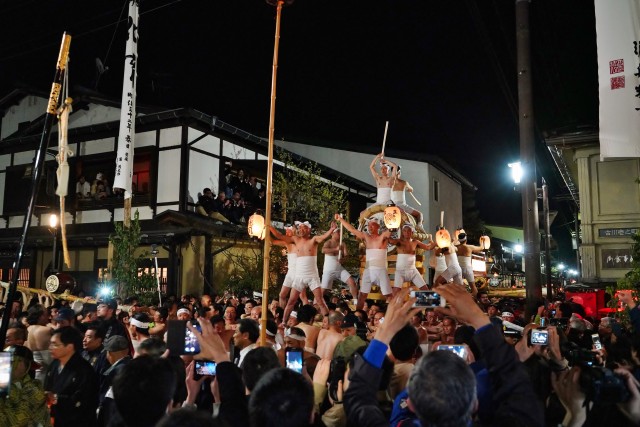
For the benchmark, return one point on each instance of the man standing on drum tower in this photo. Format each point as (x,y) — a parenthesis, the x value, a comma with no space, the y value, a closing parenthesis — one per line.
(385,179)
(406,270)
(398,197)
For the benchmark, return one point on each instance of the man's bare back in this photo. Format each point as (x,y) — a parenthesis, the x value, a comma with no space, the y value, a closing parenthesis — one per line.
(312,333)
(327,342)
(38,337)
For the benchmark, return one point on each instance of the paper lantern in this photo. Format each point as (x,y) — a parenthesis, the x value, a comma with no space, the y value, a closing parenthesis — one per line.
(443,238)
(392,217)
(485,242)
(255,226)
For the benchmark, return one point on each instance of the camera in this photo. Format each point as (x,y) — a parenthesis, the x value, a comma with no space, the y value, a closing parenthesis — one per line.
(180,339)
(539,337)
(595,338)
(204,368)
(293,359)
(560,322)
(427,299)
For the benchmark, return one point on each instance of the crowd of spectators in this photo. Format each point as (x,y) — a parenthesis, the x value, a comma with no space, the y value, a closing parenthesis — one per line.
(242,196)
(477,361)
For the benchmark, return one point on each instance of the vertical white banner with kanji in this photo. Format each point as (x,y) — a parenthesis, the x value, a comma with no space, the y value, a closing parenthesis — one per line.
(124,159)
(618,37)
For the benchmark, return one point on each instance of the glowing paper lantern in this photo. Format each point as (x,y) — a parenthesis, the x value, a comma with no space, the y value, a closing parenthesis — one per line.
(255,226)
(392,217)
(443,238)
(485,242)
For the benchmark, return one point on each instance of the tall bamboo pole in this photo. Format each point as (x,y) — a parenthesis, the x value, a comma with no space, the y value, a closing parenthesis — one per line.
(267,219)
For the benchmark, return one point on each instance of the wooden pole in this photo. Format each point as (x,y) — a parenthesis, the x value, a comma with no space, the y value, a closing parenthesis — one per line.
(267,219)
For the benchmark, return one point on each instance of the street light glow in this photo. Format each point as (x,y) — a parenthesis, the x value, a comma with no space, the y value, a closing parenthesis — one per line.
(53,220)
(516,172)
(561,267)
(518,248)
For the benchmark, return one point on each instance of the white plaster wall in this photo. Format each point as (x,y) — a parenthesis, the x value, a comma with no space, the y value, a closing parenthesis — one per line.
(28,109)
(203,172)
(23,157)
(97,146)
(209,143)
(169,176)
(170,137)
(94,115)
(144,212)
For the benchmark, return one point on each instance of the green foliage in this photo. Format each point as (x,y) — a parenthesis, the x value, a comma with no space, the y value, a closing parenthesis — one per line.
(302,195)
(629,281)
(245,270)
(126,274)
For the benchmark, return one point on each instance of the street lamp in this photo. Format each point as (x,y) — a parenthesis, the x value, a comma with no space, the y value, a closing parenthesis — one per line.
(518,248)
(525,179)
(53,228)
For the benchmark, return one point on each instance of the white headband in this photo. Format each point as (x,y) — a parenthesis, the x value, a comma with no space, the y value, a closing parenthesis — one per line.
(298,223)
(271,334)
(295,336)
(139,324)
(408,225)
(183,310)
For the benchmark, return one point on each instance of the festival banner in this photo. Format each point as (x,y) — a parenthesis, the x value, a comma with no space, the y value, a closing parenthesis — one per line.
(618,38)
(126,136)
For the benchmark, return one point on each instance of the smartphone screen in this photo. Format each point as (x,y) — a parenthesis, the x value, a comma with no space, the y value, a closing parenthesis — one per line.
(427,299)
(539,337)
(204,368)
(460,350)
(5,373)
(595,338)
(180,340)
(293,359)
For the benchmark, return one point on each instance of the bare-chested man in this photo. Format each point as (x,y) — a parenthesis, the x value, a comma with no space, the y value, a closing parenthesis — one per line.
(306,314)
(376,266)
(453,271)
(292,256)
(329,338)
(38,339)
(406,270)
(306,265)
(465,252)
(398,197)
(333,269)
(385,179)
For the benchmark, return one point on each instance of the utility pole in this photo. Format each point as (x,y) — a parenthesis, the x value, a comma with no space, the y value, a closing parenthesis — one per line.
(528,158)
(547,237)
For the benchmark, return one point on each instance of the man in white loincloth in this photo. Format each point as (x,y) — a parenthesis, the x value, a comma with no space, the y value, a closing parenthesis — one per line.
(291,268)
(385,179)
(398,197)
(306,265)
(406,270)
(333,269)
(376,266)
(465,252)
(453,271)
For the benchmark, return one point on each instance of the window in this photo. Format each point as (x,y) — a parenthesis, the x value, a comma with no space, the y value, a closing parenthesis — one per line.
(436,190)
(23,278)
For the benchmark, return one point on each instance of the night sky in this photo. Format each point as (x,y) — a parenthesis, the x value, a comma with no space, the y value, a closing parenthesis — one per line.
(442,73)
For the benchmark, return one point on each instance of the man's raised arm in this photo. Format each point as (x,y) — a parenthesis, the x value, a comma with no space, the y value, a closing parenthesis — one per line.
(351,228)
(372,167)
(321,238)
(280,236)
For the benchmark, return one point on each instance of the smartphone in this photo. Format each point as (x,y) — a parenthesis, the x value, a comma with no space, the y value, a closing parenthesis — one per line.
(539,337)
(595,338)
(204,368)
(293,359)
(180,340)
(5,373)
(427,299)
(458,349)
